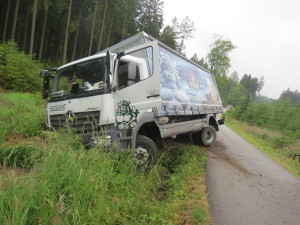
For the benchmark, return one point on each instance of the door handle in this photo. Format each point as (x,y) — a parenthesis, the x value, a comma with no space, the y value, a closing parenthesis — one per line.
(153,96)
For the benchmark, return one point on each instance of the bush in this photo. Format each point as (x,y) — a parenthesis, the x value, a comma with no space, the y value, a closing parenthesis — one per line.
(17,70)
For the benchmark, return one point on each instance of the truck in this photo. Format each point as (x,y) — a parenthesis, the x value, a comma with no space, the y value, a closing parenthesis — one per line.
(135,93)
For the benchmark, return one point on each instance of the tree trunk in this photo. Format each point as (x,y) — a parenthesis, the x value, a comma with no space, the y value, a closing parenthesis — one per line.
(6,19)
(15,20)
(103,23)
(33,27)
(26,26)
(125,19)
(76,35)
(93,27)
(56,44)
(43,33)
(67,32)
(109,32)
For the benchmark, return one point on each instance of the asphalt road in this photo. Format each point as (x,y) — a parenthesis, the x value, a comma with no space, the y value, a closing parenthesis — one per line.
(247,187)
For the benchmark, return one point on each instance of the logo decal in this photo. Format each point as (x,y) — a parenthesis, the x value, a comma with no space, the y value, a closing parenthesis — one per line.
(70,118)
(92,108)
(193,82)
(126,115)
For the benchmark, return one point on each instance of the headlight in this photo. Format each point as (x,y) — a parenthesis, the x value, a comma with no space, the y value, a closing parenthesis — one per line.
(102,140)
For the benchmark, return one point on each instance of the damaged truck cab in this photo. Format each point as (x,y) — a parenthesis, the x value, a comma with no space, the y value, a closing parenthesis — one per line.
(135,93)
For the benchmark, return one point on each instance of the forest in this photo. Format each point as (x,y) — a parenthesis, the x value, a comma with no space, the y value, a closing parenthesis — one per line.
(56,32)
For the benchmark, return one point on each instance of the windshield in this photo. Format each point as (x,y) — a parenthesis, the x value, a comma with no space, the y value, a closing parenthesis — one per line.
(85,76)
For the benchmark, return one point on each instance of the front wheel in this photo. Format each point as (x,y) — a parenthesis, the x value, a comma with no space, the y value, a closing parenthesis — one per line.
(206,137)
(145,153)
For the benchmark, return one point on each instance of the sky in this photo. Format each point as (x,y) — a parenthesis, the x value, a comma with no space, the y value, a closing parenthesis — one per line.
(265,32)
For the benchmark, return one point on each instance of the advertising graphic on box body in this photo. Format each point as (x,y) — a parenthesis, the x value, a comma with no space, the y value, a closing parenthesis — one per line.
(184,85)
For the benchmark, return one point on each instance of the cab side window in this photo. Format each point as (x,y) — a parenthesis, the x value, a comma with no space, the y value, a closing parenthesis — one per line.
(128,74)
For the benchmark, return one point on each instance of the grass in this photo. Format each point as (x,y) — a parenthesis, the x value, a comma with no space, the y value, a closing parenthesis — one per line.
(21,115)
(50,178)
(272,143)
(70,185)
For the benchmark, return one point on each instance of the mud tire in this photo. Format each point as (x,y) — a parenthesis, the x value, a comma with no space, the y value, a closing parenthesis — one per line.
(144,146)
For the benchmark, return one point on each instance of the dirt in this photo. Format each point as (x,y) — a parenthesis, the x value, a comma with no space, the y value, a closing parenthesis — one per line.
(247,187)
(10,140)
(218,152)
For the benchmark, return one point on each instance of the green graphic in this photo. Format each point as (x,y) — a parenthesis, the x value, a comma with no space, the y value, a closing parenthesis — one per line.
(126,115)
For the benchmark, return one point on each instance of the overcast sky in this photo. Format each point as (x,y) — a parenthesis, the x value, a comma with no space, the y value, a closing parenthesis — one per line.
(266,33)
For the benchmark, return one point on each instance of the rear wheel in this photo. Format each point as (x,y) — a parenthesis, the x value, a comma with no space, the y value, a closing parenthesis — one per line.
(206,137)
(145,153)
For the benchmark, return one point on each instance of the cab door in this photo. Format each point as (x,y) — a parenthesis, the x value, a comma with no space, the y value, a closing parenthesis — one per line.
(137,84)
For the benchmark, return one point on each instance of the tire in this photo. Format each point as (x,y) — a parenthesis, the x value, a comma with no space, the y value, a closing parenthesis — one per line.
(145,154)
(206,137)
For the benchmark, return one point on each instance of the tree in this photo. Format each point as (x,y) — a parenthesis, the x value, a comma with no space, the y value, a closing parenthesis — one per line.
(93,27)
(6,19)
(234,77)
(186,30)
(46,6)
(168,37)
(150,17)
(77,31)
(67,33)
(102,28)
(195,58)
(33,27)
(218,59)
(15,20)
(43,30)
(175,35)
(26,26)
(293,96)
(252,84)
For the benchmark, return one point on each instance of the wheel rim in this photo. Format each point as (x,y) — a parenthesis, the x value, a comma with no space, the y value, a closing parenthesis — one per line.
(140,155)
(209,136)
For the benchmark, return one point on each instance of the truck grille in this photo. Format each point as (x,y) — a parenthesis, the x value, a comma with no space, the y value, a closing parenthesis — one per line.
(81,122)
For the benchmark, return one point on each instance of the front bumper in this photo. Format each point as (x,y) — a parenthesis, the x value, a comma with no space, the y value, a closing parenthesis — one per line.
(107,136)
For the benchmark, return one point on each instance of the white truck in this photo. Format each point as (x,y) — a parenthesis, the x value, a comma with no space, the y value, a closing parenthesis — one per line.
(135,93)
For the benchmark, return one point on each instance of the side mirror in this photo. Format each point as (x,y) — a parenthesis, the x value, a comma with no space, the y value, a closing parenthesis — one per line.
(45,73)
(46,87)
(109,62)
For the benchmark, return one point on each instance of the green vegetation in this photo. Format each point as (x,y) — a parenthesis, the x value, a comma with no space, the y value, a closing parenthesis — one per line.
(281,116)
(58,181)
(273,143)
(272,127)
(17,70)
(57,32)
(21,115)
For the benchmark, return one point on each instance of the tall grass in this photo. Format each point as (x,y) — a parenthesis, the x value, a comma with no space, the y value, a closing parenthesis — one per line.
(21,115)
(71,185)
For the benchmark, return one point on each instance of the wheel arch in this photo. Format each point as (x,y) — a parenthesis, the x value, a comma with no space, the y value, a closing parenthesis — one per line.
(146,126)
(212,121)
